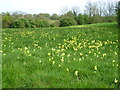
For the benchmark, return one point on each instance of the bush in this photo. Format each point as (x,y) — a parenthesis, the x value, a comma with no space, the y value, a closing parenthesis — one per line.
(80,19)
(55,23)
(67,21)
(19,23)
(86,19)
(7,20)
(32,23)
(43,23)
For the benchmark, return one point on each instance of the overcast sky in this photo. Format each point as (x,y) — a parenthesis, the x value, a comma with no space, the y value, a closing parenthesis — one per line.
(41,6)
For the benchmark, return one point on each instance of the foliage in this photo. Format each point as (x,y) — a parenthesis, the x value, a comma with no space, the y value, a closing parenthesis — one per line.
(19,23)
(67,21)
(118,13)
(54,17)
(7,20)
(80,19)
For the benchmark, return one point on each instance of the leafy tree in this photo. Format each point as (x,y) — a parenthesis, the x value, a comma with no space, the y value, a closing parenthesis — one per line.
(7,20)
(118,13)
(54,17)
(19,23)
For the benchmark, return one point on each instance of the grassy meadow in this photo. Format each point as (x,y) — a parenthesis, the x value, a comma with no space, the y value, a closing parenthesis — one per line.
(83,56)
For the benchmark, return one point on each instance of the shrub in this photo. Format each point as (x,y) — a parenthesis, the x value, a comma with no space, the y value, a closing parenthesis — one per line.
(32,23)
(7,20)
(80,19)
(19,23)
(67,21)
(86,19)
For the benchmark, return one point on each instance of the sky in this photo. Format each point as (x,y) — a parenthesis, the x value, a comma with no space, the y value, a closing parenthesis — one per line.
(42,6)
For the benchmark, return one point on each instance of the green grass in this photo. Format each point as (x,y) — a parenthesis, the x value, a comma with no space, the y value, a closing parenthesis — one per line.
(69,57)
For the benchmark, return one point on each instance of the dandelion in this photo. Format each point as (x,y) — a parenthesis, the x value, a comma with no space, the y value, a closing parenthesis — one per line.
(29,55)
(67,70)
(59,65)
(33,49)
(76,73)
(40,61)
(24,63)
(80,59)
(104,54)
(94,54)
(113,61)
(49,59)
(81,54)
(62,49)
(97,56)
(95,67)
(52,58)
(1,51)
(89,51)
(117,65)
(49,54)
(53,62)
(68,55)
(92,49)
(75,49)
(53,49)
(62,54)
(26,48)
(62,60)
(115,53)
(4,54)
(28,51)
(116,81)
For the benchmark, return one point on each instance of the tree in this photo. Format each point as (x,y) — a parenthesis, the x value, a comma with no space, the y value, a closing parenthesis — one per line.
(64,10)
(88,9)
(19,23)
(75,11)
(118,13)
(54,17)
(7,20)
(70,14)
(0,20)
(95,10)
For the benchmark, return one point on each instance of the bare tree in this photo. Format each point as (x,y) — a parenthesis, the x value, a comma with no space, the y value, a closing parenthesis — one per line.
(111,8)
(95,10)
(88,9)
(64,10)
(76,10)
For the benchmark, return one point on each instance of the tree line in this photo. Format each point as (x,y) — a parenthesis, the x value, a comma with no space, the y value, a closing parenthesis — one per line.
(95,12)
